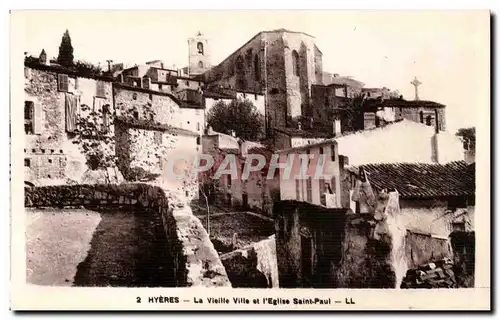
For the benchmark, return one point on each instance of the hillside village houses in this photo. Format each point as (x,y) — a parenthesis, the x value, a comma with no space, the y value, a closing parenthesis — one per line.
(279,71)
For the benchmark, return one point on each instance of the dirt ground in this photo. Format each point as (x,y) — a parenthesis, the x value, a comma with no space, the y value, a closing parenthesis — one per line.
(248,228)
(79,247)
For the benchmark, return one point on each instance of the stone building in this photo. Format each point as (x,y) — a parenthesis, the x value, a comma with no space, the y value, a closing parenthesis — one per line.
(199,55)
(55,98)
(434,198)
(323,184)
(281,64)
(254,192)
(186,112)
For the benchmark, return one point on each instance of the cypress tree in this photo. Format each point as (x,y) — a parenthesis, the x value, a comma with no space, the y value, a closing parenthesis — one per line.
(65,57)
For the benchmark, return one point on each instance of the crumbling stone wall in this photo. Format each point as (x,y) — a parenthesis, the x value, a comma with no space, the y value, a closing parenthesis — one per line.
(464,257)
(254,266)
(195,259)
(366,261)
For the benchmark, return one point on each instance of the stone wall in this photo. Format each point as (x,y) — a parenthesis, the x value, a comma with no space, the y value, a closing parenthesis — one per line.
(464,257)
(195,259)
(51,157)
(254,266)
(148,105)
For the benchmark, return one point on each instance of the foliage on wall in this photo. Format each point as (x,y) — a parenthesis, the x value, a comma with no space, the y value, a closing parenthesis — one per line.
(96,140)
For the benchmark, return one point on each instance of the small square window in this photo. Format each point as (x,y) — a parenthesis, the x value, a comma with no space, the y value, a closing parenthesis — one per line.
(27,162)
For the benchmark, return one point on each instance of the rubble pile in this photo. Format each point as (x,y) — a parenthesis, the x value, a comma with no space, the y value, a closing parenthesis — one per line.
(438,274)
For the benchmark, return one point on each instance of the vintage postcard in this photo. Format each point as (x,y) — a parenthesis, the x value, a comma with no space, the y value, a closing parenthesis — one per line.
(250,160)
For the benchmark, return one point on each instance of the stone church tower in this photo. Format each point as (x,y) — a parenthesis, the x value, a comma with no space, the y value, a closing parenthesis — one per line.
(282,65)
(199,55)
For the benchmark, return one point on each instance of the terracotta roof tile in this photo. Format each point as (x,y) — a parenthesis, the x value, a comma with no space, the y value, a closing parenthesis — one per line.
(420,180)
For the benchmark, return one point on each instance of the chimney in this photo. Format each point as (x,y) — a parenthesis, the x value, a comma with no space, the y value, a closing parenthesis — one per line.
(337,131)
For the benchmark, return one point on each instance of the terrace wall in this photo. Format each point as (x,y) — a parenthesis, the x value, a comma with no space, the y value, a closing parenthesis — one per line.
(196,262)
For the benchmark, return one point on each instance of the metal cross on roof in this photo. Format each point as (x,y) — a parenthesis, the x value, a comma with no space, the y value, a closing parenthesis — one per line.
(416,83)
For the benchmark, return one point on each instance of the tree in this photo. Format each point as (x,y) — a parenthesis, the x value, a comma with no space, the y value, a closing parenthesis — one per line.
(240,116)
(65,57)
(468,137)
(352,114)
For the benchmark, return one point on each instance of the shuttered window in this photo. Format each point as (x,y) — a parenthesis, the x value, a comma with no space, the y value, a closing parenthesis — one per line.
(62,82)
(100,89)
(309,190)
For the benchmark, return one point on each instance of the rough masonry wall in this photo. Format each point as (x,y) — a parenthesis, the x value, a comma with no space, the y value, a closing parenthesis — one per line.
(51,157)
(195,259)
(254,266)
(413,114)
(149,106)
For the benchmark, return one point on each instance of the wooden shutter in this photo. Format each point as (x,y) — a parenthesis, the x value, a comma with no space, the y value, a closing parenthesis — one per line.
(309,190)
(62,82)
(37,119)
(100,91)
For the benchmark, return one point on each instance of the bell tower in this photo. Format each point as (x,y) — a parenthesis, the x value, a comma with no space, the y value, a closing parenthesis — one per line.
(199,54)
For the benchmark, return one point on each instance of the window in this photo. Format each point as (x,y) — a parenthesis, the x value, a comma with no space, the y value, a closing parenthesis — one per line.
(198,141)
(200,64)
(229,181)
(256,68)
(309,189)
(150,96)
(255,96)
(29,124)
(198,126)
(295,61)
(244,95)
(158,137)
(100,89)
(27,162)
(62,82)
(160,87)
(274,91)
(421,117)
(187,83)
(134,96)
(428,120)
(333,153)
(136,115)
(321,150)
(199,46)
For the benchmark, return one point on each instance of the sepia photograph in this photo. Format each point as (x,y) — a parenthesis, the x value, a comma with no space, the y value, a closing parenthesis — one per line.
(213,151)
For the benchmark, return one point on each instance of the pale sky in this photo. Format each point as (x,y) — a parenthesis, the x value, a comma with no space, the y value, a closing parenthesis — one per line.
(447,50)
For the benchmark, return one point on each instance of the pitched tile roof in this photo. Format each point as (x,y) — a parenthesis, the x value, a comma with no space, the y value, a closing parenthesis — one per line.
(421,180)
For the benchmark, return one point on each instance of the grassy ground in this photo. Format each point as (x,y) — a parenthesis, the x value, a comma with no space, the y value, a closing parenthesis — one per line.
(87,248)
